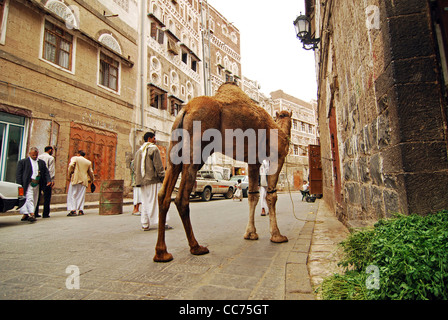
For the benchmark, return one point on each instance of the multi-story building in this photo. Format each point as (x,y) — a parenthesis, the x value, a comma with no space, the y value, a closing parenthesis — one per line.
(222,50)
(304,132)
(221,63)
(304,121)
(252,89)
(68,78)
(172,73)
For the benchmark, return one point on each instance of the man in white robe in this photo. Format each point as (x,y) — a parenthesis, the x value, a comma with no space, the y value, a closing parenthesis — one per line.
(264,170)
(149,174)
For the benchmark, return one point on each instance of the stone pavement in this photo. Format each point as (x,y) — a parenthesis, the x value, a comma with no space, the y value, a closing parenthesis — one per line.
(40,261)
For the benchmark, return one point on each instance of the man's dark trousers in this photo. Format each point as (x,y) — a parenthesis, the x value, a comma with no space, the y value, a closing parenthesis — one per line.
(47,199)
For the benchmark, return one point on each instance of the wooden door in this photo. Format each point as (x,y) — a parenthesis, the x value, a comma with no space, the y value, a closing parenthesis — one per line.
(100,148)
(298,180)
(315,164)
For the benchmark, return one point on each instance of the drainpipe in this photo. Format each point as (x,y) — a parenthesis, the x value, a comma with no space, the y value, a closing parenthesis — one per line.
(142,62)
(205,34)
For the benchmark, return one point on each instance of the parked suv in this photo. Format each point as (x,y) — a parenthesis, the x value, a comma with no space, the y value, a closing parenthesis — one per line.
(11,195)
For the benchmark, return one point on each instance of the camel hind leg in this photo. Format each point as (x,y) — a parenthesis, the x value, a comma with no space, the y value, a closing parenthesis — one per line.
(183,206)
(164,198)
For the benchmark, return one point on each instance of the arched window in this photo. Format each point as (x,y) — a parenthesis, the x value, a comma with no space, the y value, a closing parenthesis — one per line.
(110,42)
(224,30)
(234,37)
(189,87)
(226,63)
(218,58)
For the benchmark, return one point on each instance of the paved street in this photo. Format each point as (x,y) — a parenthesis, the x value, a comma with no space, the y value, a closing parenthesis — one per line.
(114,256)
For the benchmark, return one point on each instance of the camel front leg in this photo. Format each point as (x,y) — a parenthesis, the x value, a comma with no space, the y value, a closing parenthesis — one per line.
(273,227)
(253,197)
(271,198)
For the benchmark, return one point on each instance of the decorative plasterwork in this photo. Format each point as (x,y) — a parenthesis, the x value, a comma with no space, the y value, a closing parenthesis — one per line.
(63,11)
(109,41)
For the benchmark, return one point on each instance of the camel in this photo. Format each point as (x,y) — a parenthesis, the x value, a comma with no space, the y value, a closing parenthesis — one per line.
(229,108)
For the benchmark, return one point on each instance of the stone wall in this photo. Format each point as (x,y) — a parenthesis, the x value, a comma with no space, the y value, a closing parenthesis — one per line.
(379,70)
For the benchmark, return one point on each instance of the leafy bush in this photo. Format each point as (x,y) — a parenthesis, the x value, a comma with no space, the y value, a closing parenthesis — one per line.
(410,252)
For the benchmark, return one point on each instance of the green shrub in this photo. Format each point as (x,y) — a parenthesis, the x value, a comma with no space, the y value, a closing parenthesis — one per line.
(410,252)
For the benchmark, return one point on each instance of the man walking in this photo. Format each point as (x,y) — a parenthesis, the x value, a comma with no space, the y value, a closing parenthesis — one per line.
(264,170)
(30,173)
(149,174)
(79,172)
(48,158)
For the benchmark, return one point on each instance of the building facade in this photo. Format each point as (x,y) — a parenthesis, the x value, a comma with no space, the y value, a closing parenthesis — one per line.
(67,79)
(173,49)
(382,108)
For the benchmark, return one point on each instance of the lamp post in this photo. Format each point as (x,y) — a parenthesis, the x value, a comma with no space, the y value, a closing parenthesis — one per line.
(303,31)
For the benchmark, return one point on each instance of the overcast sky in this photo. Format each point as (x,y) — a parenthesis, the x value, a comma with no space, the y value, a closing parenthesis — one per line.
(270,51)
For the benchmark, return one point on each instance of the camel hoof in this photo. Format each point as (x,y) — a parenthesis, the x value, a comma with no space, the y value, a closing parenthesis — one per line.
(163,257)
(251,236)
(199,250)
(279,239)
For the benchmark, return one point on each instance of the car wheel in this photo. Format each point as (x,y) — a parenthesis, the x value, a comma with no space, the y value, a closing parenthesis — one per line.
(229,194)
(207,194)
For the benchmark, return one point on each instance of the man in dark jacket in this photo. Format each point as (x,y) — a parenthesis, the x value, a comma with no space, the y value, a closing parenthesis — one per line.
(30,172)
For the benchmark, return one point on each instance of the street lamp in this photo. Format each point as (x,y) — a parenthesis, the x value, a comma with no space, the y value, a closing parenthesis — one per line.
(303,32)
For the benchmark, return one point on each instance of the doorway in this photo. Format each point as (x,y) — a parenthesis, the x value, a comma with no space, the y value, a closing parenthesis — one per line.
(100,148)
(12,131)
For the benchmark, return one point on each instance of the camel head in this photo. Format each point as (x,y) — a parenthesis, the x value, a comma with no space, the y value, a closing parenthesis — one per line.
(284,120)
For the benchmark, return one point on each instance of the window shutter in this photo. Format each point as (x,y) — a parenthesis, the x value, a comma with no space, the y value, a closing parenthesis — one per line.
(152,98)
(153,31)
(164,101)
(161,34)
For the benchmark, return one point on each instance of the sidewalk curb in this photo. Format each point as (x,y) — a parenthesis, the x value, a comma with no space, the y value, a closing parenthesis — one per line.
(297,278)
(325,252)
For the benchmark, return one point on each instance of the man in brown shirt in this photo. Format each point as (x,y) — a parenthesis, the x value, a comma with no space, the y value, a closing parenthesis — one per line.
(80,173)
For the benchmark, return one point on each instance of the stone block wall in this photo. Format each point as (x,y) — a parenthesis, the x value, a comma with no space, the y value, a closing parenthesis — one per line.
(383,79)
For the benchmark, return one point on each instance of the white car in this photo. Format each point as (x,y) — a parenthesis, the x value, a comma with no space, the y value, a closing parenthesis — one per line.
(11,195)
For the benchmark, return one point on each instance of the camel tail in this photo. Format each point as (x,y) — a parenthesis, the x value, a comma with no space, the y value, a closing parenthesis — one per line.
(180,124)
